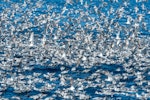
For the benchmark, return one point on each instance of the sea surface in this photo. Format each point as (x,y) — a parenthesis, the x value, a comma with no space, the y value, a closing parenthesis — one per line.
(27,72)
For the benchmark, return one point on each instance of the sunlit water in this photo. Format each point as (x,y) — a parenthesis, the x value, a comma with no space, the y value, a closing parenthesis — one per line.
(98,49)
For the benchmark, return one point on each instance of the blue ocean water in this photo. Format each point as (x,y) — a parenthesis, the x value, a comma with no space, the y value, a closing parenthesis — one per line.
(94,81)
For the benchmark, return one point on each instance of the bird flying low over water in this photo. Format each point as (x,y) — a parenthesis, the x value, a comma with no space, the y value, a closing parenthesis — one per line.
(74,49)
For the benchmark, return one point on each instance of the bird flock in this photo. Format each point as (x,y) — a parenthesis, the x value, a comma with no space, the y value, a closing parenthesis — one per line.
(74,49)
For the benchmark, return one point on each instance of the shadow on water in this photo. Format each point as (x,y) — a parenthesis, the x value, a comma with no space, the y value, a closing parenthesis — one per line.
(44,69)
(51,70)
